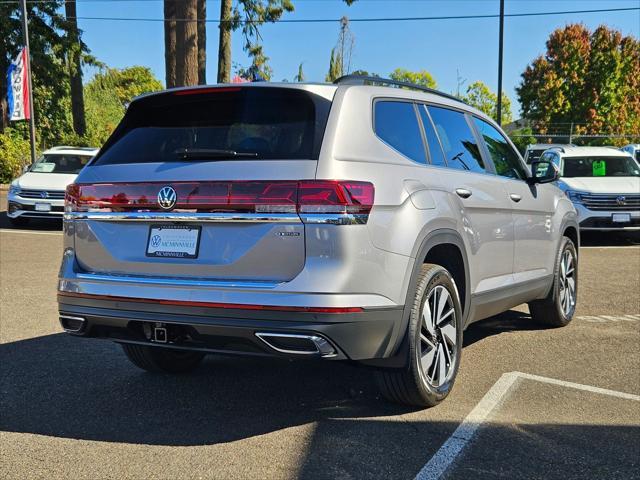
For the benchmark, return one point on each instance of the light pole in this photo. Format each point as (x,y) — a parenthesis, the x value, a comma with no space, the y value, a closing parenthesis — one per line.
(32,127)
(501,41)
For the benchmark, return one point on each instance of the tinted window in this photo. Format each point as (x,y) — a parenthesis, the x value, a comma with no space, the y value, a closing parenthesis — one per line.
(458,141)
(396,123)
(263,123)
(600,167)
(55,163)
(505,159)
(435,150)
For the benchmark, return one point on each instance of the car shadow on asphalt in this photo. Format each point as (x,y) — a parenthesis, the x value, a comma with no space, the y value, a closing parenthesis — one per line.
(70,387)
(62,386)
(47,225)
(509,321)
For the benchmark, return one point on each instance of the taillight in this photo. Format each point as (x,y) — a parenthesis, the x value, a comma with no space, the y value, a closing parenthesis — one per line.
(331,196)
(325,201)
(71,198)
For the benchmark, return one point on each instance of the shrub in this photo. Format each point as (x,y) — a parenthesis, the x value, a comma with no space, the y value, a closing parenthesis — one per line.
(14,154)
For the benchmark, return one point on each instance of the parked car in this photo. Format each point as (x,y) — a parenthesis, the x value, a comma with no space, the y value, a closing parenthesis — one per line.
(39,192)
(535,151)
(340,222)
(602,182)
(633,149)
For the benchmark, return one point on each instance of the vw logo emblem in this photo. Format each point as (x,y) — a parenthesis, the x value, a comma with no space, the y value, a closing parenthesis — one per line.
(621,200)
(167,198)
(44,194)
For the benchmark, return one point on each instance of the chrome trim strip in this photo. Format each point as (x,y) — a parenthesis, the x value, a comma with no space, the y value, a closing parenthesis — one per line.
(183,217)
(312,218)
(335,218)
(176,282)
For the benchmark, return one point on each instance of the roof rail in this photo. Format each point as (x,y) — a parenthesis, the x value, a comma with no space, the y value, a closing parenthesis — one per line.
(368,80)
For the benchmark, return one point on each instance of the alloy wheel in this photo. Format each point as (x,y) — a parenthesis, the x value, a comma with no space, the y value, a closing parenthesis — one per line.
(567,291)
(438,337)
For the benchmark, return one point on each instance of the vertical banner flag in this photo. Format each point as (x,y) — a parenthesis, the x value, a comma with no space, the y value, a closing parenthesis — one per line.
(18,88)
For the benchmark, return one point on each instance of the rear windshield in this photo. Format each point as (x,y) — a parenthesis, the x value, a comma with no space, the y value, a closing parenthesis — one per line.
(223,123)
(60,163)
(600,167)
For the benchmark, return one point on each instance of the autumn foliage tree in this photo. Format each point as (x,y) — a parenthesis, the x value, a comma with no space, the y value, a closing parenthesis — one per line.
(590,79)
(480,96)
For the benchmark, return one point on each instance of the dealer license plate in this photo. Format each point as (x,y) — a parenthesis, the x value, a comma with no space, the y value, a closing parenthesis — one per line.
(175,241)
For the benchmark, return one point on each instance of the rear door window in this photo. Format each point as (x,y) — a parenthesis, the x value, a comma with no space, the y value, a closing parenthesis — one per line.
(220,123)
(458,141)
(505,159)
(397,125)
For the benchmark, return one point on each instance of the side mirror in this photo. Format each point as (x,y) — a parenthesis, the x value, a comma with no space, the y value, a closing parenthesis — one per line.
(26,168)
(542,171)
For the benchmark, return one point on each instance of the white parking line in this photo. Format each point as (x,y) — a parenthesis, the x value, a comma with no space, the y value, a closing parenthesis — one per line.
(448,452)
(34,232)
(612,247)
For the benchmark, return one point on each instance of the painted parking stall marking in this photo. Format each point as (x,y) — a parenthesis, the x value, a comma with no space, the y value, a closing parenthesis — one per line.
(634,317)
(451,449)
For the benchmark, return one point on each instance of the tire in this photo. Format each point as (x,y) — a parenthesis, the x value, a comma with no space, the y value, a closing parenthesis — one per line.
(435,346)
(162,360)
(18,221)
(558,308)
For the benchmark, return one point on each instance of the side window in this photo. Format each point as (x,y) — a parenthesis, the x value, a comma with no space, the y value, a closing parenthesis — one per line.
(397,124)
(505,159)
(435,150)
(459,143)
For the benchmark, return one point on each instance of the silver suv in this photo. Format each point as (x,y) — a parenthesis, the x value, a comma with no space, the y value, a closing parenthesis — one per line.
(355,221)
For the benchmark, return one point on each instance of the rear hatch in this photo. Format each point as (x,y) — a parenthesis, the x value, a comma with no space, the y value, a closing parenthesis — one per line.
(202,183)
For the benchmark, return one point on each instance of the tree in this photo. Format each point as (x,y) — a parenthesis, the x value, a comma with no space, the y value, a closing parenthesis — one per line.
(340,60)
(300,76)
(48,63)
(107,97)
(74,62)
(249,15)
(421,77)
(170,43)
(335,66)
(202,42)
(590,79)
(187,42)
(479,95)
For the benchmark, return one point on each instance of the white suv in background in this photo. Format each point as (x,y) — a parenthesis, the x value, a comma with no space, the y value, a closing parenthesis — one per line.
(633,149)
(39,192)
(602,182)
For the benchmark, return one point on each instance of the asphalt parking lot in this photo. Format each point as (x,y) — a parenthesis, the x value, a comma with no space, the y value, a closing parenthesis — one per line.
(75,408)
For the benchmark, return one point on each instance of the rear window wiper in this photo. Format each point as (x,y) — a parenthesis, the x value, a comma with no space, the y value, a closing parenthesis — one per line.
(211,154)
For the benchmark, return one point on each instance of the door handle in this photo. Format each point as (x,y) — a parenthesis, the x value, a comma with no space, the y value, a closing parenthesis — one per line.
(463,192)
(515,197)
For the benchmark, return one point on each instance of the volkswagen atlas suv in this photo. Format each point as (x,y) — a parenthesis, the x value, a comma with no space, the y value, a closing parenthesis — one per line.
(39,192)
(354,221)
(603,183)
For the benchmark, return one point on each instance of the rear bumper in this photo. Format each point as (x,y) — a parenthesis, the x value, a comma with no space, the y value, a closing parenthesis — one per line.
(364,335)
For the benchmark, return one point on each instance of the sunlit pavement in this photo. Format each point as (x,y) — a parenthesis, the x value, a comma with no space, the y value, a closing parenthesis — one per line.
(76,408)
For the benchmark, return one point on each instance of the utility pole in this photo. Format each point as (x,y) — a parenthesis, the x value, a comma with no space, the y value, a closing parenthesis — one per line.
(32,126)
(501,41)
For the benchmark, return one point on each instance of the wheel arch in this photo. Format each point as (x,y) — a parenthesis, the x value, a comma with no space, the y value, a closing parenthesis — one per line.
(443,247)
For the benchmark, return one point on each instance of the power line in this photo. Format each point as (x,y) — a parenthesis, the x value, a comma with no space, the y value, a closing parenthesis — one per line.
(371,19)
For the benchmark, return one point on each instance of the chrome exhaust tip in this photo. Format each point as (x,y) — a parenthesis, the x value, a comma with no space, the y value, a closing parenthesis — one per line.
(72,324)
(298,344)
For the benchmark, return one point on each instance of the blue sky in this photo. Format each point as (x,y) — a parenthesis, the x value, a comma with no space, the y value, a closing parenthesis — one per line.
(443,47)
